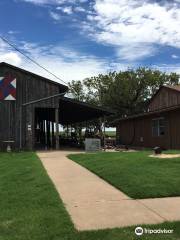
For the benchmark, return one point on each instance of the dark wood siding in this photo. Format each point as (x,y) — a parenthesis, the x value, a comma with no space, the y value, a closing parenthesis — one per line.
(138,132)
(29,88)
(166,97)
(174,126)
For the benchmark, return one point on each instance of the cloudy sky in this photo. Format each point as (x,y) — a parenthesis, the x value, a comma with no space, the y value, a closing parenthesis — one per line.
(76,39)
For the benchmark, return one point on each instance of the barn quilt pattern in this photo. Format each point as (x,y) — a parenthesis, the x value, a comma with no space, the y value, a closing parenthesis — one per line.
(7,88)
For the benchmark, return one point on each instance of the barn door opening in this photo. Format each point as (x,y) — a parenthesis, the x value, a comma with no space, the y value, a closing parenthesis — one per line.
(45,128)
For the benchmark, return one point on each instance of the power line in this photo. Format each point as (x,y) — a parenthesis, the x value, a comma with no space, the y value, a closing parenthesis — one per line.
(31,59)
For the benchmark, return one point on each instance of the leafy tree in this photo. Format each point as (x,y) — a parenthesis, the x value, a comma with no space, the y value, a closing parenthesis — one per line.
(131,90)
(126,92)
(77,90)
(91,91)
(98,87)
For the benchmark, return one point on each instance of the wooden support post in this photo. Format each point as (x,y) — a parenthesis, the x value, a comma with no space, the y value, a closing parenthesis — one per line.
(29,128)
(67,131)
(53,144)
(44,133)
(57,127)
(43,141)
(48,134)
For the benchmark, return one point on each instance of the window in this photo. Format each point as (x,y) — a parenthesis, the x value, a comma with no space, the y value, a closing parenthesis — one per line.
(158,127)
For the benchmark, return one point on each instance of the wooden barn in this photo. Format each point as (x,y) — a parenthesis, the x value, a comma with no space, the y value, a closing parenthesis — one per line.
(158,126)
(32,107)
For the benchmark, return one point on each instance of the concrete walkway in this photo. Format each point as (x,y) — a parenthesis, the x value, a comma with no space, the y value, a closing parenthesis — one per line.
(94,204)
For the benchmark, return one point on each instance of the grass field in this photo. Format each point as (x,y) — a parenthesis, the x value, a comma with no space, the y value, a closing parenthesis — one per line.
(30,207)
(135,173)
(111,133)
(108,133)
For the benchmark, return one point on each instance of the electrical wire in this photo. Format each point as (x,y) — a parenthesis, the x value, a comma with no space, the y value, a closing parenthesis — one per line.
(31,59)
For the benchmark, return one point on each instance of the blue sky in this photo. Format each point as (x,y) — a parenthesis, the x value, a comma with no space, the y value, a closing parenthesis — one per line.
(79,38)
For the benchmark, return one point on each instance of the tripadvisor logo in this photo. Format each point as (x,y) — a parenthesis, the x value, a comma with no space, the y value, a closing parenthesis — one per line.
(140,231)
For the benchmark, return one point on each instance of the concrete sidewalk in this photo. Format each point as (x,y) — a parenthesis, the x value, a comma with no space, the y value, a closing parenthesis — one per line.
(94,204)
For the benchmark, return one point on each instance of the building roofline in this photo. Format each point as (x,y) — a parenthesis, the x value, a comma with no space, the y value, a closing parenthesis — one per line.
(163,86)
(95,107)
(173,87)
(34,74)
(73,101)
(167,109)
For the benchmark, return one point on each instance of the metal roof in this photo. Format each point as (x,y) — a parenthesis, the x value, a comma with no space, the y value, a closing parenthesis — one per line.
(167,109)
(72,111)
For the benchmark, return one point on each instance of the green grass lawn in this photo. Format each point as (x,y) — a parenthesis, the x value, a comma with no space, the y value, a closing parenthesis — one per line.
(135,173)
(111,133)
(30,207)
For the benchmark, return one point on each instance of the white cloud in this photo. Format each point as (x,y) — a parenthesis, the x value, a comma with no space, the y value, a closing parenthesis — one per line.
(79,9)
(55,16)
(52,2)
(134,28)
(67,10)
(7,55)
(10,57)
(139,23)
(174,56)
(167,68)
(11,32)
(135,51)
(64,62)
(69,64)
(40,2)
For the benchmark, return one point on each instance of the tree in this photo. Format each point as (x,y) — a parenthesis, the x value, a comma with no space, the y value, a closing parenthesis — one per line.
(91,90)
(98,87)
(126,92)
(131,90)
(77,90)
